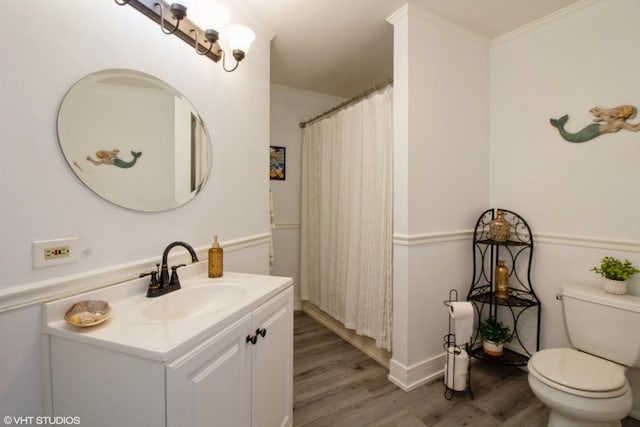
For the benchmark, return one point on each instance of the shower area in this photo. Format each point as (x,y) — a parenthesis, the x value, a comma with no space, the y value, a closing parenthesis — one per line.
(345,226)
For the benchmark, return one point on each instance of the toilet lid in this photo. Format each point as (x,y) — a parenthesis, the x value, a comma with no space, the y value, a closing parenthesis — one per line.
(577,370)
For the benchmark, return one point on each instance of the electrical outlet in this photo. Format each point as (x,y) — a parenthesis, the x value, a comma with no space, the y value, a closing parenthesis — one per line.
(58,252)
(54,252)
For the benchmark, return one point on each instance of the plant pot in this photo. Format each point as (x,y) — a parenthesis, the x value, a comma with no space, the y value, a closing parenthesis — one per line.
(492,348)
(617,287)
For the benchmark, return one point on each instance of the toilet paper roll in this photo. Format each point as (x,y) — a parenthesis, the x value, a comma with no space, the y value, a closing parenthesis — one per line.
(457,382)
(462,314)
(456,368)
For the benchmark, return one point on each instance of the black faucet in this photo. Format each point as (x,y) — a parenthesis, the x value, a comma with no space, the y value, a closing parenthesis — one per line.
(166,284)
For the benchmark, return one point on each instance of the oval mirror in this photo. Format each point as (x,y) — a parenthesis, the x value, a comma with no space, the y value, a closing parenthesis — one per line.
(134,140)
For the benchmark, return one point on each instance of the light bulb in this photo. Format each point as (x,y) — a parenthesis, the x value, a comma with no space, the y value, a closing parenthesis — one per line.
(210,15)
(239,37)
(218,17)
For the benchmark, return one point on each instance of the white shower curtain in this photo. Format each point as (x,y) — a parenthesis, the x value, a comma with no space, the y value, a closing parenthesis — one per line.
(346,239)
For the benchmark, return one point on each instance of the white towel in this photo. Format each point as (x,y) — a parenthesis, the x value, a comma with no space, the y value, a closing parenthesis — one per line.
(462,314)
(273,226)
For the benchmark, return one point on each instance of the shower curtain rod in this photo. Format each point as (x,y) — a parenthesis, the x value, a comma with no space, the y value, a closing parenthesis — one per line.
(349,102)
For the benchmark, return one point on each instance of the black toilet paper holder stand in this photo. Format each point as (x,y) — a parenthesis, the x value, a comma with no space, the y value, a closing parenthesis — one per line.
(449,346)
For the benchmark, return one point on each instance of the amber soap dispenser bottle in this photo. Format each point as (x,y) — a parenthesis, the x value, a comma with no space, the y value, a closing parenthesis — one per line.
(215,258)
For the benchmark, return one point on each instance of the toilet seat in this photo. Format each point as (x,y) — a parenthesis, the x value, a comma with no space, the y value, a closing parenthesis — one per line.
(578,373)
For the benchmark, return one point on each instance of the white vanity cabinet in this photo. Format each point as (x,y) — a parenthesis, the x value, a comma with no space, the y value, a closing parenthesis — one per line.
(230,381)
(272,365)
(233,377)
(211,385)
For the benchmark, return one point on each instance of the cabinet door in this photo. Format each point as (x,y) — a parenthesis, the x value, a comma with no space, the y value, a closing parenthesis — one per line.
(273,363)
(211,385)
(105,388)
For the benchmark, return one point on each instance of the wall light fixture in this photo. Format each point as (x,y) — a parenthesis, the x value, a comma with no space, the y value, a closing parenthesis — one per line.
(173,20)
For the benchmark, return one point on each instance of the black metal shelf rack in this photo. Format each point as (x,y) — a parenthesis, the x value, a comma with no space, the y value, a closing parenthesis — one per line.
(517,252)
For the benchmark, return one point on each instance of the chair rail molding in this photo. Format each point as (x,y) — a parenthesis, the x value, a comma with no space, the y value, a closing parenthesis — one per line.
(60,287)
(287,226)
(431,238)
(588,242)
(546,238)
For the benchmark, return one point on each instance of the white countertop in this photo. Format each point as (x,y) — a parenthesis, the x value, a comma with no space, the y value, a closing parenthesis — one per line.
(129,332)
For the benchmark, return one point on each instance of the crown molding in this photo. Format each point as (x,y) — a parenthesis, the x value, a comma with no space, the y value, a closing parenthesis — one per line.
(542,21)
(413,10)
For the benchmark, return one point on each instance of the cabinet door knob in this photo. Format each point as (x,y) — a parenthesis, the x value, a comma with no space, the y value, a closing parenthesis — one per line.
(261,331)
(252,339)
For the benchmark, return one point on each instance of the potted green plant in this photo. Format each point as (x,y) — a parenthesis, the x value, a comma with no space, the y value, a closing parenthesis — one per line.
(615,273)
(494,334)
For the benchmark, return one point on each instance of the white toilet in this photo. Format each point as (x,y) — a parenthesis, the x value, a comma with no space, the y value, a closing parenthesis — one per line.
(586,385)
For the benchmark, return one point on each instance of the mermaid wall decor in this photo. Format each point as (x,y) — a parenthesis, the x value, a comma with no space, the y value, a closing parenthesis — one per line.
(111,158)
(609,120)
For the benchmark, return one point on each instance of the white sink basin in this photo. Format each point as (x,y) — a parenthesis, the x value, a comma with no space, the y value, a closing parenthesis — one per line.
(163,328)
(194,301)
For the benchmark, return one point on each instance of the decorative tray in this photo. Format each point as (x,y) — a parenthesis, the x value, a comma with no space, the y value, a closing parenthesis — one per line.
(88,313)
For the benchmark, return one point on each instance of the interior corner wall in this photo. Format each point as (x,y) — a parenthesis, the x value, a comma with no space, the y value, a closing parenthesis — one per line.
(289,107)
(441,180)
(580,199)
(48,45)
(570,64)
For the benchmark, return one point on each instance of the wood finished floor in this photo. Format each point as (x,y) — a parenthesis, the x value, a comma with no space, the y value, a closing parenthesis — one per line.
(336,385)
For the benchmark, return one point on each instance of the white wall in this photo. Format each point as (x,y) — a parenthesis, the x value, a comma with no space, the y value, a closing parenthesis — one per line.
(472,132)
(441,158)
(581,200)
(289,107)
(47,46)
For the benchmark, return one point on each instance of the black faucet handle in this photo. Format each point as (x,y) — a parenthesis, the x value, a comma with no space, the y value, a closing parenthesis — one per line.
(153,283)
(174,274)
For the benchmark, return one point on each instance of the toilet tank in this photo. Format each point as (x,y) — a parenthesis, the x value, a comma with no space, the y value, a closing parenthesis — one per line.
(603,324)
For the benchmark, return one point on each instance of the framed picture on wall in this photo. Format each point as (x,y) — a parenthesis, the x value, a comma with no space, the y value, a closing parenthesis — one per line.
(277,163)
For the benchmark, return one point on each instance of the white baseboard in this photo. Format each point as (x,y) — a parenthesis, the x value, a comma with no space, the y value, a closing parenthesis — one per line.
(411,377)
